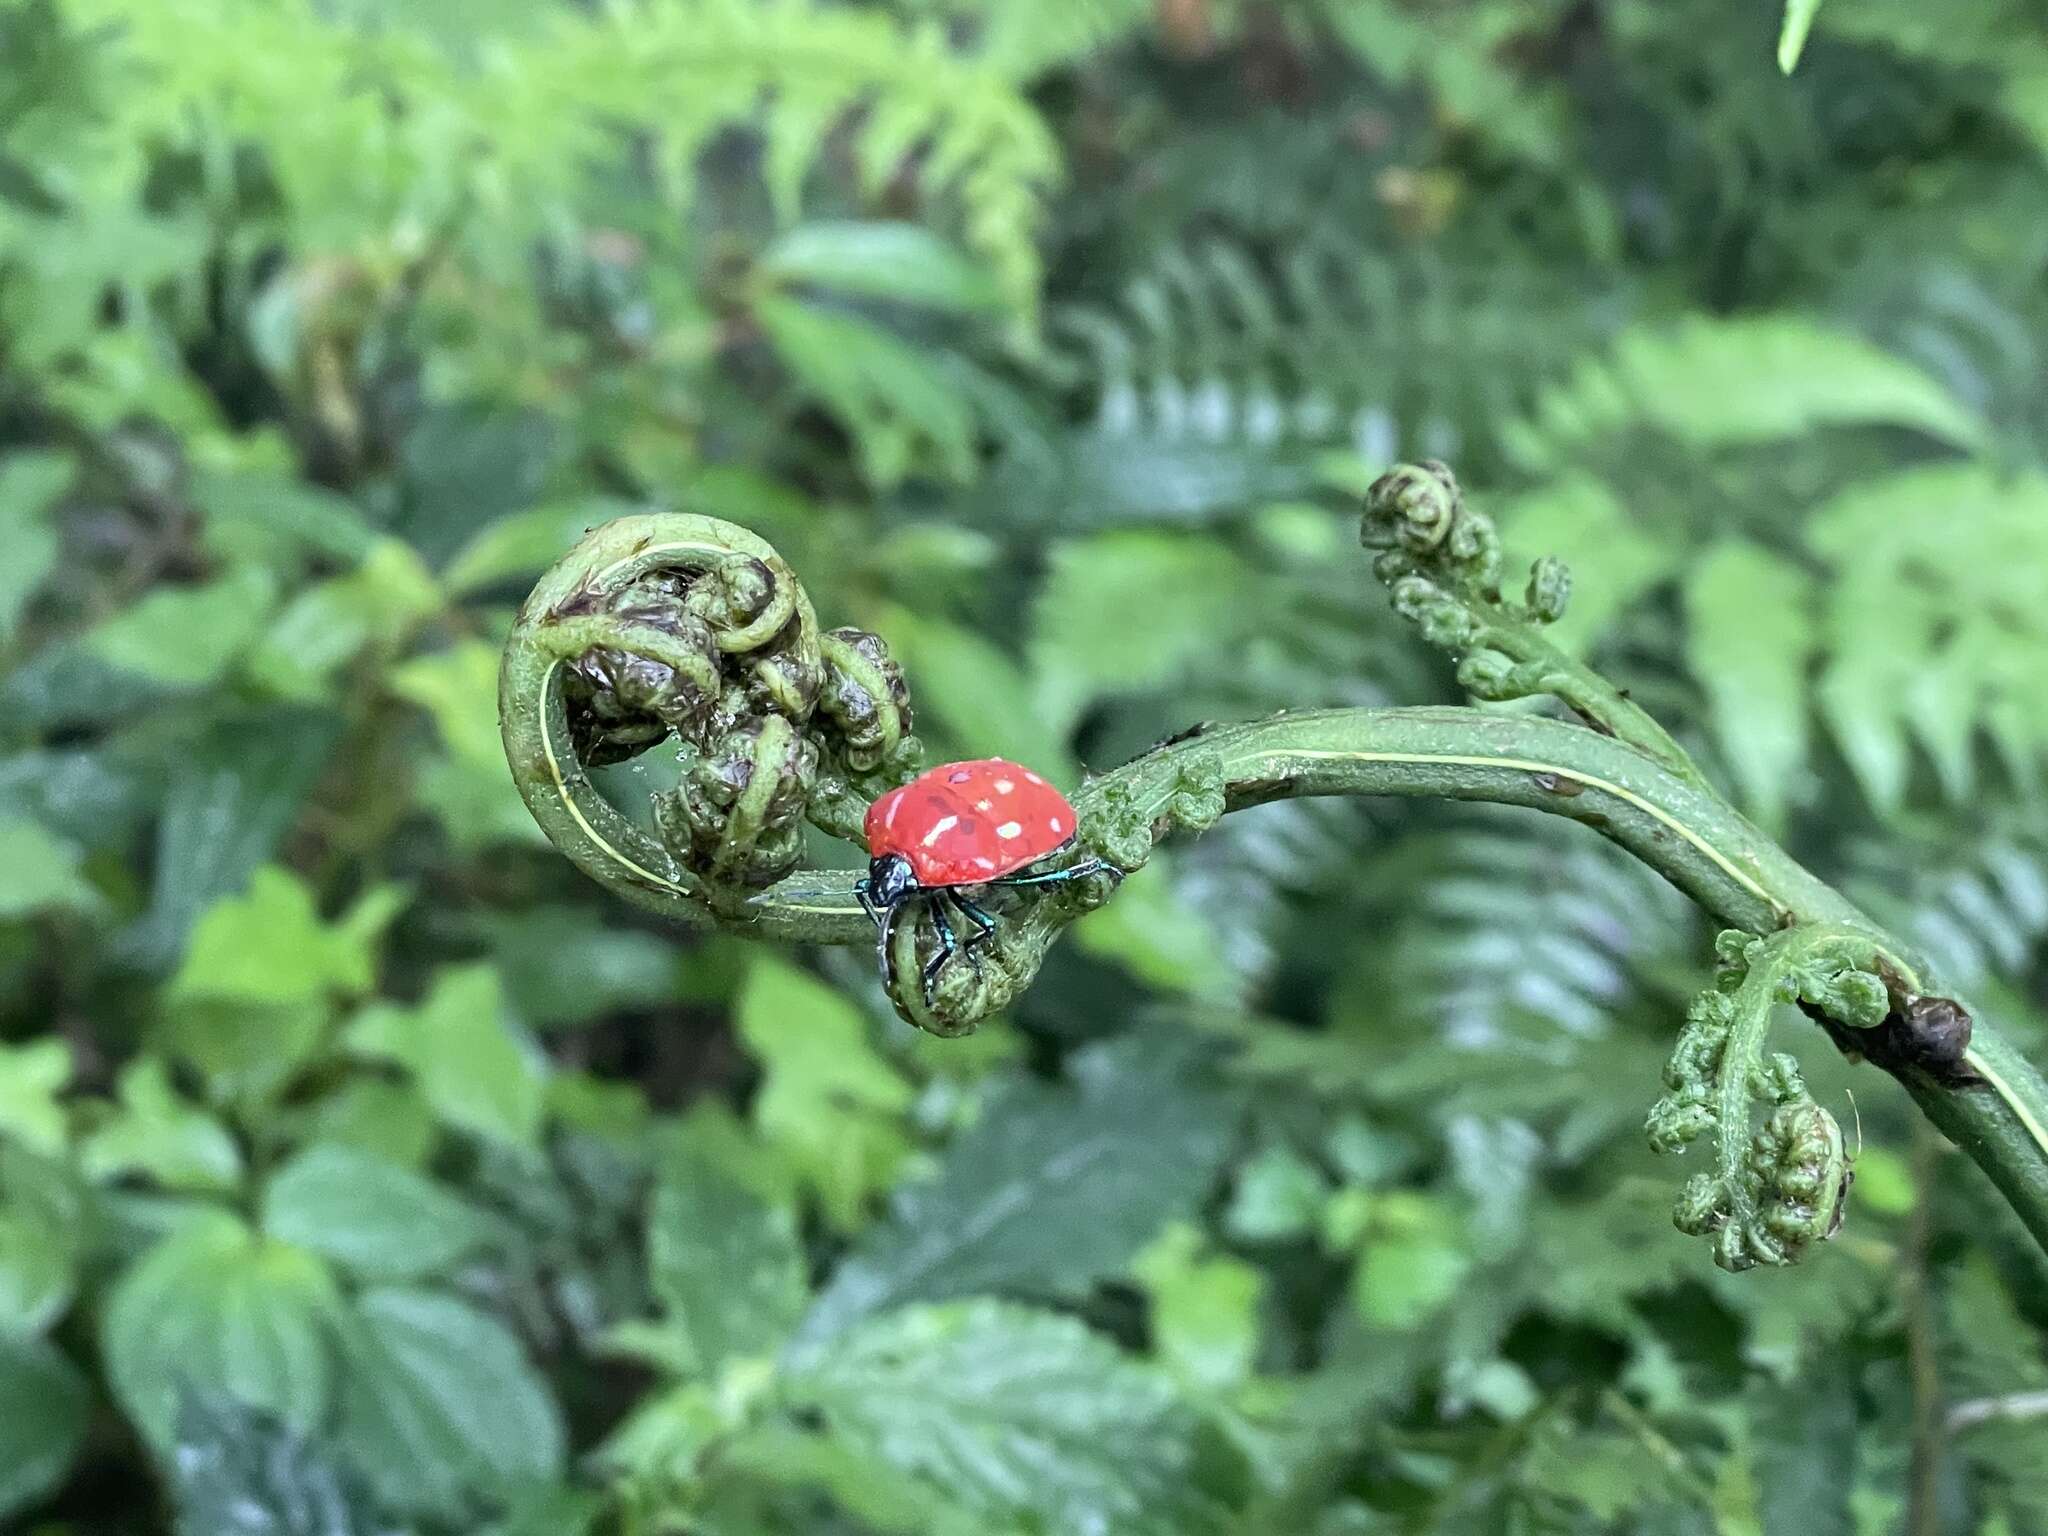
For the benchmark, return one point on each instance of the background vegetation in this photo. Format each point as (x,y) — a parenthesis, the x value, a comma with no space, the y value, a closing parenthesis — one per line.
(364,1170)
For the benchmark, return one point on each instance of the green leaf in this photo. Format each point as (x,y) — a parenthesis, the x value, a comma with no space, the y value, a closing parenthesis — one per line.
(262,514)
(45,1410)
(1024,1417)
(1051,1190)
(39,872)
(31,1077)
(329,624)
(233,795)
(469,787)
(571,965)
(389,1120)
(1414,1259)
(902,410)
(551,1512)
(269,945)
(527,543)
(772,1458)
(240,1473)
(1129,611)
(460,1046)
(216,1309)
(157,1133)
(722,1258)
(1279,1196)
(829,1099)
(187,636)
(1749,639)
(29,484)
(1719,383)
(1799,16)
(440,1405)
(369,1216)
(1936,627)
(1205,1309)
(972,686)
(253,1000)
(1161,937)
(45,1230)
(880,260)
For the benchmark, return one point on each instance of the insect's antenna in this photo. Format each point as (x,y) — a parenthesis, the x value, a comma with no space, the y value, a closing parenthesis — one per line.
(1859,1120)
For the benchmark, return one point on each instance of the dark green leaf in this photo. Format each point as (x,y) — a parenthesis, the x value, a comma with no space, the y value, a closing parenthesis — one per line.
(45,1406)
(369,1216)
(240,1473)
(233,794)
(217,1310)
(1053,1189)
(1806,1453)
(723,1260)
(440,1405)
(1025,1417)
(29,482)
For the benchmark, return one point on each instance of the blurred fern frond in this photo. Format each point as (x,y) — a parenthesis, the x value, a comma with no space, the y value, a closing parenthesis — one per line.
(1508,946)
(1321,341)
(1973,895)
(1712,383)
(383,129)
(1936,623)
(1906,619)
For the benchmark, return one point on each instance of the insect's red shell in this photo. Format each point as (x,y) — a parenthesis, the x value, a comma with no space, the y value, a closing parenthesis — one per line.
(963,823)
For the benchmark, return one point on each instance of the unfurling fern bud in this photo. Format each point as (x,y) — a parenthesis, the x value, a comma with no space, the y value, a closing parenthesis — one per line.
(690,632)
(865,698)
(1550,589)
(690,635)
(1412,507)
(738,813)
(1779,1188)
(1440,558)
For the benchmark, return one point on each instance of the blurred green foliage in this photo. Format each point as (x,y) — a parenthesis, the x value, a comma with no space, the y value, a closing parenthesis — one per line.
(363,1171)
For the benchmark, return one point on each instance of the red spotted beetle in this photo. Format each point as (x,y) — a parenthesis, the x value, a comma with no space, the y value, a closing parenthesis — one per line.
(954,830)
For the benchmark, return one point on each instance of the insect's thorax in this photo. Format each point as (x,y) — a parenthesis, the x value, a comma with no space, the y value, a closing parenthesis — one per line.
(891,878)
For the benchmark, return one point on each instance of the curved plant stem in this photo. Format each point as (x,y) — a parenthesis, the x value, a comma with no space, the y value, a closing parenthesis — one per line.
(694,631)
(1684,831)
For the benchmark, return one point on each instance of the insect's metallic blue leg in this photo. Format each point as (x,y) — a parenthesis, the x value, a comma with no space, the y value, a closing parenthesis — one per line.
(1079,871)
(984,925)
(948,943)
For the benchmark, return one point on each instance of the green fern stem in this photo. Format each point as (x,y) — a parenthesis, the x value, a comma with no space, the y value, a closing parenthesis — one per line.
(826,718)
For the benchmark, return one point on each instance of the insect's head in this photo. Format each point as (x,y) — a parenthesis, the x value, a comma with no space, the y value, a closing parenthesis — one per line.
(890,879)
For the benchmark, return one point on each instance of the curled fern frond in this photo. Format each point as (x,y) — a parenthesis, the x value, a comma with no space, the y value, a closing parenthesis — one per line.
(691,634)
(1778,1189)
(691,631)
(1441,560)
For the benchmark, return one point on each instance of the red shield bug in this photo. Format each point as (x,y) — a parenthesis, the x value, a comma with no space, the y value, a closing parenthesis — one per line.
(954,830)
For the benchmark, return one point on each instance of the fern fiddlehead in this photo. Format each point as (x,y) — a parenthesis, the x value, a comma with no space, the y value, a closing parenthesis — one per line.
(691,631)
(1441,560)
(691,634)
(1773,1193)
